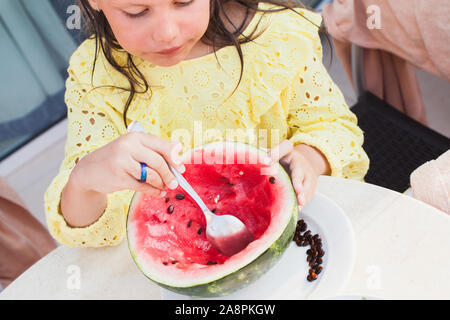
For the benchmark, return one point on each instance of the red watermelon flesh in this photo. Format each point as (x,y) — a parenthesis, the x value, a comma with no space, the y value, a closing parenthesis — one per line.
(179,238)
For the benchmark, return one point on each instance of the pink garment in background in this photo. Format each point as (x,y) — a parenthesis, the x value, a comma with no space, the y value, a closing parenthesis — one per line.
(412,33)
(430,182)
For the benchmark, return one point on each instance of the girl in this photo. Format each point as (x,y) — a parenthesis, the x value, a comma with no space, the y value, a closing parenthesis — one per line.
(175,64)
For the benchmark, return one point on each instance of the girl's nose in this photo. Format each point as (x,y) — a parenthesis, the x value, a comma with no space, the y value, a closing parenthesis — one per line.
(165,31)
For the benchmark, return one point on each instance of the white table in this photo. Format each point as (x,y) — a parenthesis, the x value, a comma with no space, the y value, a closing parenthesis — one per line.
(403,250)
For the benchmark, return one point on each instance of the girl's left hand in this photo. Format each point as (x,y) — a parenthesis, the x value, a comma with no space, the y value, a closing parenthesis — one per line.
(304,164)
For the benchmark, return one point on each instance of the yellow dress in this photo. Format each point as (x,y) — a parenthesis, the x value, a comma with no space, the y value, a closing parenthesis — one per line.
(284,86)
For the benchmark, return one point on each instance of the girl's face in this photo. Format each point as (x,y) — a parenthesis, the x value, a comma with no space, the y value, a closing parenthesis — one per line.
(144,28)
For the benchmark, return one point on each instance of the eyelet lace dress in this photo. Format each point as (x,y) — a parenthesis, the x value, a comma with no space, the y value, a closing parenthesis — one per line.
(284,87)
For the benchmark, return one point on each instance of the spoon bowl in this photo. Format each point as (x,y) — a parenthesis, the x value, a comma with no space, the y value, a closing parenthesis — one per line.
(226,233)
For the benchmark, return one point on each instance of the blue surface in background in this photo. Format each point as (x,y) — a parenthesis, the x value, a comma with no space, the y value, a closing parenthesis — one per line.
(16,133)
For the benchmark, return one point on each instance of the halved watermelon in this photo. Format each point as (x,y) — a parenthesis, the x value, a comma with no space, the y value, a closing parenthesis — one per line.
(166,236)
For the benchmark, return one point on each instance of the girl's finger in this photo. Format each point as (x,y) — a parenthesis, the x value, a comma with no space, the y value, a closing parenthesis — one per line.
(170,151)
(153,178)
(282,149)
(145,188)
(174,156)
(298,177)
(310,184)
(156,162)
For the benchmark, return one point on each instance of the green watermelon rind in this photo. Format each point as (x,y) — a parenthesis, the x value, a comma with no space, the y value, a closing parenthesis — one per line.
(243,276)
(246,275)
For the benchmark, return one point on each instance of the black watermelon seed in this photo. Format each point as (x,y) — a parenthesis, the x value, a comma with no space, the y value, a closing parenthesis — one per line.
(179,196)
(318,269)
(170,208)
(272,180)
(211,262)
(230,184)
(167,199)
(214,210)
(199,231)
(315,253)
(174,261)
(189,223)
(165,263)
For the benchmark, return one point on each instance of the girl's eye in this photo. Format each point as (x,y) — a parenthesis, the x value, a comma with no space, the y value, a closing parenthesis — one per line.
(136,15)
(185,3)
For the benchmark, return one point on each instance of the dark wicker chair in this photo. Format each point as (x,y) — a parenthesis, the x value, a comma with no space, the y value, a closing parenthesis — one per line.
(395,143)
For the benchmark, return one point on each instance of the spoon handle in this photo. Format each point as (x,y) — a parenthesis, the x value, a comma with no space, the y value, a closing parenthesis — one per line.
(137,127)
(188,188)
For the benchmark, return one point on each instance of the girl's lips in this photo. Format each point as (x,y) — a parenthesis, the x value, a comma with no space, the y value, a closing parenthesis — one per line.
(169,51)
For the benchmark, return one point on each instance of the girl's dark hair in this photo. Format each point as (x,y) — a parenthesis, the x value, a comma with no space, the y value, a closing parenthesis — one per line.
(96,26)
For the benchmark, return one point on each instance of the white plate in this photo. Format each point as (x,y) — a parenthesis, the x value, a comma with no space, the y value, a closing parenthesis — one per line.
(287,279)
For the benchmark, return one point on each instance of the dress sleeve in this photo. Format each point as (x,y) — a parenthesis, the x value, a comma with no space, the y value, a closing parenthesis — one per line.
(89,128)
(319,116)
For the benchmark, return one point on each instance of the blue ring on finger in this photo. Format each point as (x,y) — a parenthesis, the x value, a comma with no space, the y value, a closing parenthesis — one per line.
(143,172)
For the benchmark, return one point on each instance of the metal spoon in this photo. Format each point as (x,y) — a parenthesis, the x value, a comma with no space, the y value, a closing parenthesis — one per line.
(226,233)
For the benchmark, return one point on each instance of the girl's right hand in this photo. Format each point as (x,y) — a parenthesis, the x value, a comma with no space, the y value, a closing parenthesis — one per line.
(117,165)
